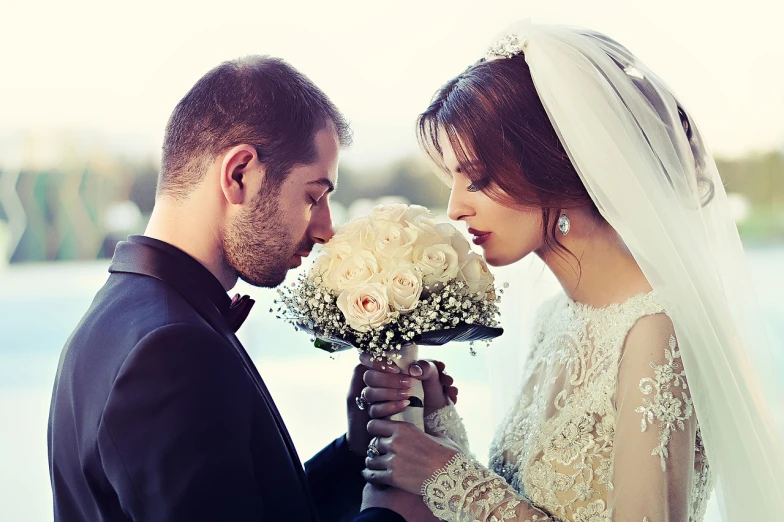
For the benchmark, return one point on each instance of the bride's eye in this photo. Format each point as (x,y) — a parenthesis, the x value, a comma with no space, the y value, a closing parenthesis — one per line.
(476,186)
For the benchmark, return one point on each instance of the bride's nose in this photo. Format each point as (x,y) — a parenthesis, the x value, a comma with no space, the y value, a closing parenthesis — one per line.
(458,208)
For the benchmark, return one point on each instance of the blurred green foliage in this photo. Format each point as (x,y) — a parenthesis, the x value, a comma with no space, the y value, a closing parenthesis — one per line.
(760,179)
(73,213)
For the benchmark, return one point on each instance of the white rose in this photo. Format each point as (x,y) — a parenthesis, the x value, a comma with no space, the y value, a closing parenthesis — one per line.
(427,233)
(477,276)
(353,271)
(389,212)
(404,286)
(352,237)
(324,265)
(395,242)
(339,248)
(365,307)
(417,212)
(456,241)
(437,263)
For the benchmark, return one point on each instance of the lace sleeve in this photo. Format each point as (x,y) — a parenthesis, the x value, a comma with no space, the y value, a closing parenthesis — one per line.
(447,422)
(466,491)
(655,433)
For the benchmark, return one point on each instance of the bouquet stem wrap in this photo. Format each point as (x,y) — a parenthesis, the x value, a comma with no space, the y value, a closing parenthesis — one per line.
(414,412)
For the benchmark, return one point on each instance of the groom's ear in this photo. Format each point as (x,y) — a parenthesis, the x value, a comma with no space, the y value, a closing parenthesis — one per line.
(240,174)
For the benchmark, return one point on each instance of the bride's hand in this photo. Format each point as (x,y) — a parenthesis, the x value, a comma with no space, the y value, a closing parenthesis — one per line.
(387,388)
(407,456)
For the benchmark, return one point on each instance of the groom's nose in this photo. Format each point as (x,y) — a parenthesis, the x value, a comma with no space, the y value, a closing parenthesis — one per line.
(324,236)
(321,229)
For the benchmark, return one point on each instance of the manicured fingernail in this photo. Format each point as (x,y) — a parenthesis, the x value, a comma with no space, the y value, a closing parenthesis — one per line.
(405,393)
(404,404)
(415,370)
(405,382)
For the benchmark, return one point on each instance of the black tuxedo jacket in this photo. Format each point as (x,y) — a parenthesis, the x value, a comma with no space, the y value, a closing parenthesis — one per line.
(159,414)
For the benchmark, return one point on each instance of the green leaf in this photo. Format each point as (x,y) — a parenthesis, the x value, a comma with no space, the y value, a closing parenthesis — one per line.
(324,345)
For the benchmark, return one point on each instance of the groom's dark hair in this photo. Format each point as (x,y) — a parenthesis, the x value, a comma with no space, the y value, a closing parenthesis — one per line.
(258,100)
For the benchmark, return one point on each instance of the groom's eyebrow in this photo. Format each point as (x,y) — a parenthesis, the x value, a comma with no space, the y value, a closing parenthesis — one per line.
(325,182)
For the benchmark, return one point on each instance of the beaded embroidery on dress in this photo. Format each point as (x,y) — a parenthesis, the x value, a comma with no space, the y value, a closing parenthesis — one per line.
(603,429)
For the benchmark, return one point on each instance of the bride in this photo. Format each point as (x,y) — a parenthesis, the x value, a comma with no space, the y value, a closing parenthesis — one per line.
(649,381)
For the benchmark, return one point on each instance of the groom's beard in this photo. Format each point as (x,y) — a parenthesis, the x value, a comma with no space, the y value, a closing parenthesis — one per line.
(257,246)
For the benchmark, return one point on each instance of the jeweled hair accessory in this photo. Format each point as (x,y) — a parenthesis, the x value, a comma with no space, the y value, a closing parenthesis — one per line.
(508,46)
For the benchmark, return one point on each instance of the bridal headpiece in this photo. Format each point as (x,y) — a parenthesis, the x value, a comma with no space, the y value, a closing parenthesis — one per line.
(508,46)
(513,44)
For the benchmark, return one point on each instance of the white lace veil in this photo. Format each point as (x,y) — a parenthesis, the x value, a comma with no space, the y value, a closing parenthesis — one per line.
(659,188)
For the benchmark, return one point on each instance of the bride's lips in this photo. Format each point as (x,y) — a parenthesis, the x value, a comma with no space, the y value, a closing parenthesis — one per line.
(479,236)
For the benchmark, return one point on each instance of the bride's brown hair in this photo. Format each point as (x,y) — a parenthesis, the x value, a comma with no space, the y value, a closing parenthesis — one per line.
(492,114)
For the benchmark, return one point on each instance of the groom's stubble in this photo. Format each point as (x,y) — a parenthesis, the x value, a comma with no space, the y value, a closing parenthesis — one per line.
(257,245)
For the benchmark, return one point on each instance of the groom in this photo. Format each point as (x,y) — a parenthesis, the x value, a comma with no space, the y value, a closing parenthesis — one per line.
(157,412)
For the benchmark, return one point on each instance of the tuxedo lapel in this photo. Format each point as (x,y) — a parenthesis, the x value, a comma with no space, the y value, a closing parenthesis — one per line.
(142,259)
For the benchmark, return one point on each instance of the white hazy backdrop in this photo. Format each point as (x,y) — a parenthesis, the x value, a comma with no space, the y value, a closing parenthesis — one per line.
(115,72)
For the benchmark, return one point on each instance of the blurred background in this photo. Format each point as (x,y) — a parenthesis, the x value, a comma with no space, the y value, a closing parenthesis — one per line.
(86,88)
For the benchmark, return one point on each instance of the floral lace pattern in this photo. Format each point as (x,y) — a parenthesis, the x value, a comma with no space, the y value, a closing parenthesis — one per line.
(464,484)
(556,446)
(448,423)
(669,410)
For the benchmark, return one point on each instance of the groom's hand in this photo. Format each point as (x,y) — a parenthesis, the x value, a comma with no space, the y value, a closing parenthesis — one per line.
(407,505)
(357,436)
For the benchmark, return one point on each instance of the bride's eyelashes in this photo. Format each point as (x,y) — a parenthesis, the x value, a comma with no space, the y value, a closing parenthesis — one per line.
(476,186)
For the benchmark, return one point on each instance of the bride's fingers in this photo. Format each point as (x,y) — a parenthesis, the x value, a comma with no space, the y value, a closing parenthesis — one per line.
(377,379)
(385,409)
(385,428)
(451,392)
(381,366)
(374,395)
(377,477)
(377,463)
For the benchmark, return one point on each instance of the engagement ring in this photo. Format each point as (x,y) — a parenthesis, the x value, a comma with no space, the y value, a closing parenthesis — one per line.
(372,450)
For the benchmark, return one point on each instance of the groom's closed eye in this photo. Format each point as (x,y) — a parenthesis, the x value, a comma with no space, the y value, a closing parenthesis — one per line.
(324,182)
(316,198)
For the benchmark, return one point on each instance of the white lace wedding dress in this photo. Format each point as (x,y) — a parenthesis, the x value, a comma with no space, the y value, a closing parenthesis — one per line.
(603,430)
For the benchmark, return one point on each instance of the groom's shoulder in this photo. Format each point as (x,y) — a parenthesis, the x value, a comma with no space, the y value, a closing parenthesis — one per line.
(183,345)
(131,310)
(130,306)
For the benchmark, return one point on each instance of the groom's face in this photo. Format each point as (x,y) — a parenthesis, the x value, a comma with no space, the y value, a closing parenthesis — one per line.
(281,226)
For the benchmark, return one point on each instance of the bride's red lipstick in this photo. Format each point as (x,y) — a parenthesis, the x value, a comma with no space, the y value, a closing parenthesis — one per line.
(479,236)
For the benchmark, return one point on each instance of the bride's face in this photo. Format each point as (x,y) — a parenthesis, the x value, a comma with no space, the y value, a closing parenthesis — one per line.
(505,234)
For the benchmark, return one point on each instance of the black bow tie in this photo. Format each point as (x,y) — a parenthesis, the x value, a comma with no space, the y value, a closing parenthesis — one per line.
(238,311)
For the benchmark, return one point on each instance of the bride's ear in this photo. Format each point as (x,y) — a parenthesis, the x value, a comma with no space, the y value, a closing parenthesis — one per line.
(240,174)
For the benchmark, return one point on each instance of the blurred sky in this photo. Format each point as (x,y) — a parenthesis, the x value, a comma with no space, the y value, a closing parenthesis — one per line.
(114,71)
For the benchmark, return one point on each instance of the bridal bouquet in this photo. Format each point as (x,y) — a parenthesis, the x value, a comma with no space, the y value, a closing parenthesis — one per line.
(393,279)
